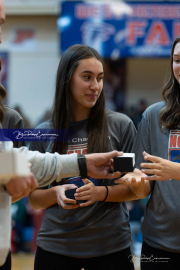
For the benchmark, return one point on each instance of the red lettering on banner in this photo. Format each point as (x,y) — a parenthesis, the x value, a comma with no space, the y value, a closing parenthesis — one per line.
(142,11)
(135,30)
(176,30)
(154,11)
(173,141)
(107,12)
(158,34)
(175,12)
(86,11)
(166,12)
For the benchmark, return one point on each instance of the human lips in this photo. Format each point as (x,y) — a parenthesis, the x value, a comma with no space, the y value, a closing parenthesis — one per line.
(92,96)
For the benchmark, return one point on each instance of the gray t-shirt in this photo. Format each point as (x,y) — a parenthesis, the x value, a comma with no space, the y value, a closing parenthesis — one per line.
(100,228)
(13,120)
(161,225)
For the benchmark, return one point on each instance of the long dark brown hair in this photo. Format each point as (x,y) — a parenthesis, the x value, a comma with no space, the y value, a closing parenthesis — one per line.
(97,129)
(170,114)
(2,97)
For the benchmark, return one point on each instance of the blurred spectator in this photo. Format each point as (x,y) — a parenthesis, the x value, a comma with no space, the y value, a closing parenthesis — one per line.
(26,223)
(18,218)
(114,84)
(135,112)
(37,216)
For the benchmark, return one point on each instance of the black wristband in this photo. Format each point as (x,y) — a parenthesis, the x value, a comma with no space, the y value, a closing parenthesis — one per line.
(82,166)
(106,193)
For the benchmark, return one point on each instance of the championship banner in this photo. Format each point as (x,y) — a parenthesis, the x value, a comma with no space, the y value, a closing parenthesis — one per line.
(133,29)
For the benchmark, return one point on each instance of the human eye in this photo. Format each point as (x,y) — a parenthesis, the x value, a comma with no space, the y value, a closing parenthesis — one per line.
(87,77)
(176,60)
(100,78)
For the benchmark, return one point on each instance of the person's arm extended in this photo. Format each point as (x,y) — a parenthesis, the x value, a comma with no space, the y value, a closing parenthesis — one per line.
(92,193)
(48,167)
(44,198)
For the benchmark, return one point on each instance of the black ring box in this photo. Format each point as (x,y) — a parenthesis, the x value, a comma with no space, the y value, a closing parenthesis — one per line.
(70,195)
(124,163)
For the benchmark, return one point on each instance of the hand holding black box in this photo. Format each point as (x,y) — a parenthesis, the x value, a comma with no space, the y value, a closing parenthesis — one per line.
(124,163)
(70,195)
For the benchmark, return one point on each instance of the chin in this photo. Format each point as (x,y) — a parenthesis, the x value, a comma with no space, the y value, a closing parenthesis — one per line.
(91,105)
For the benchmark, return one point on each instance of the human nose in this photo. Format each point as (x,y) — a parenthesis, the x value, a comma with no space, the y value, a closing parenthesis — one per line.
(94,85)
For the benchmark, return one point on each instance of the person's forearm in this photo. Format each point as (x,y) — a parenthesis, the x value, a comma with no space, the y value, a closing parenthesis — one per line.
(117,193)
(42,199)
(48,167)
(143,191)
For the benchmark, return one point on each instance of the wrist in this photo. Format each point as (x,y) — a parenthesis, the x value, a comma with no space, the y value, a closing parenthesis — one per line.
(102,193)
(176,171)
(56,193)
(82,166)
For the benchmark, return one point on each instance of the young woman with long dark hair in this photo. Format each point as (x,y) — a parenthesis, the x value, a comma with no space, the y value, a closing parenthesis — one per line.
(158,141)
(94,234)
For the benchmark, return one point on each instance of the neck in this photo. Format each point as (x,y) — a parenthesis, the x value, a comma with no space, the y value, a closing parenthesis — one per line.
(80,114)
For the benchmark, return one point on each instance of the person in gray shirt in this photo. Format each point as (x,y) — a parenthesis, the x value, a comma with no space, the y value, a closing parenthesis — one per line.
(46,167)
(158,141)
(93,233)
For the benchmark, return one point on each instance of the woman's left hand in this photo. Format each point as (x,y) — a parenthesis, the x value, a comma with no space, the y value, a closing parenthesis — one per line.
(135,179)
(88,193)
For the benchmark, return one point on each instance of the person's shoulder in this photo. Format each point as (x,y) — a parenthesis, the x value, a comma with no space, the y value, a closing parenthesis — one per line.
(118,117)
(45,125)
(154,109)
(8,111)
(11,117)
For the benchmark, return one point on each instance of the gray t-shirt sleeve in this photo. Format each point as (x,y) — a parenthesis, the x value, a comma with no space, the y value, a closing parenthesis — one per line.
(48,167)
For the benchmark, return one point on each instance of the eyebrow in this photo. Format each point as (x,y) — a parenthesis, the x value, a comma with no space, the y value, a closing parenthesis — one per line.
(176,55)
(87,71)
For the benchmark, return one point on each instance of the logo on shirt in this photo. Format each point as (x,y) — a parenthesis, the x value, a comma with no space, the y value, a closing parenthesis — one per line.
(174,146)
(78,149)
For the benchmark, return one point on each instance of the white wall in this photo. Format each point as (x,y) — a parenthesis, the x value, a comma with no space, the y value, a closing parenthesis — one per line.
(32,71)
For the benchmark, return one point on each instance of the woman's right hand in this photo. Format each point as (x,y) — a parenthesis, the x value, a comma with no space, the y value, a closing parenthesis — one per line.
(62,200)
